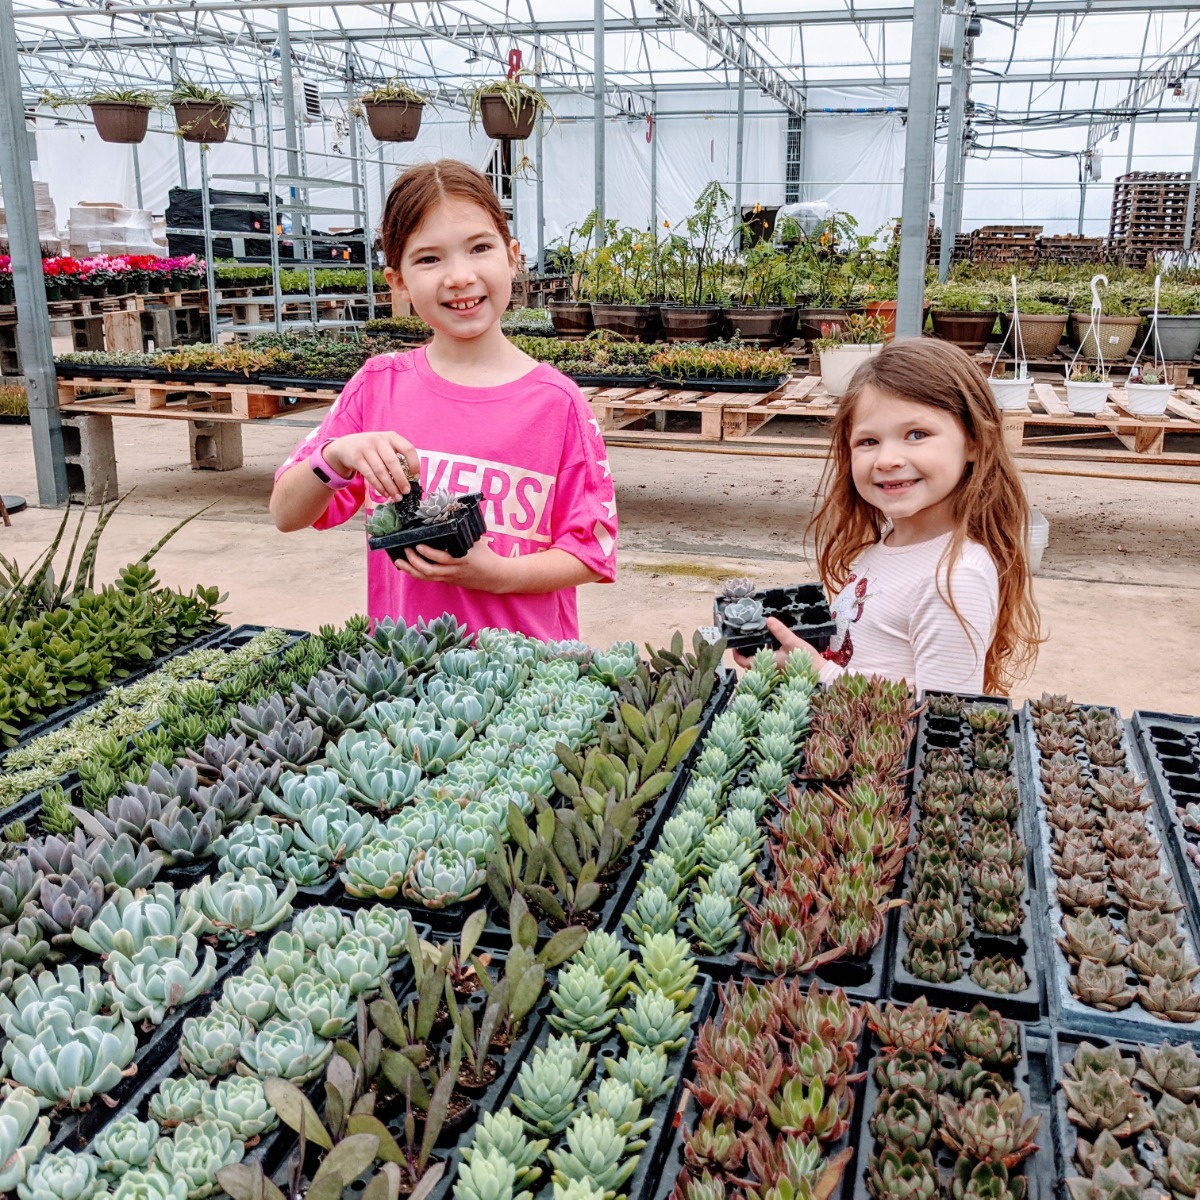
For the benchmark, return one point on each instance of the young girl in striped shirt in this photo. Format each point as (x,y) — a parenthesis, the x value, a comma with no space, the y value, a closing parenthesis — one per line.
(921,530)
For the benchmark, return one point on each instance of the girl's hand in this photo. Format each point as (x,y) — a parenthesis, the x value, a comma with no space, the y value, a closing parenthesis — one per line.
(384,459)
(788,642)
(481,568)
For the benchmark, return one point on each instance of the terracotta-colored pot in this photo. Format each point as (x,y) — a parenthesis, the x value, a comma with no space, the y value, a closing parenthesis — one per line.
(969,331)
(203,121)
(393,120)
(499,122)
(124,124)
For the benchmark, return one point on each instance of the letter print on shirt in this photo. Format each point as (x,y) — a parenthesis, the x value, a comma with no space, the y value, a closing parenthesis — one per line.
(847,609)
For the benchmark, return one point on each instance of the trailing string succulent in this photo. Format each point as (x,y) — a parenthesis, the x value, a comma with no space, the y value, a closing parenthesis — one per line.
(924,1103)
(1107,859)
(967,875)
(840,837)
(1136,1120)
(774,1085)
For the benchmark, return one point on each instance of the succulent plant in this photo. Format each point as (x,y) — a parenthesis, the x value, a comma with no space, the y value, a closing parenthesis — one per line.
(326,1004)
(236,906)
(23,1136)
(1175,1000)
(986,1037)
(211,1045)
(908,1069)
(240,1104)
(652,912)
(603,952)
(917,1027)
(356,960)
(130,921)
(737,588)
(22,947)
(64,1175)
(441,876)
(666,963)
(1171,1069)
(999,973)
(547,1086)
(165,973)
(715,923)
(196,1153)
(153,1183)
(66,903)
(595,1153)
(653,1021)
(488,1175)
(124,1144)
(902,1174)
(178,1099)
(904,1118)
(286,957)
(1107,1100)
(1101,987)
(989,1130)
(644,1068)
(287,1049)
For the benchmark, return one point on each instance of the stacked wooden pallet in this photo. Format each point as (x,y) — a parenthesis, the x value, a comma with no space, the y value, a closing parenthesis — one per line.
(1150,214)
(1070,248)
(1005,244)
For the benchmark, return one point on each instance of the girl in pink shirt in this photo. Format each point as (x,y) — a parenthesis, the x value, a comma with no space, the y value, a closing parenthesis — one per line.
(468,412)
(921,530)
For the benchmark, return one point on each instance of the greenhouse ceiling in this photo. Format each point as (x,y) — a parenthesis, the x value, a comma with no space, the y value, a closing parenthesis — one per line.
(1035,62)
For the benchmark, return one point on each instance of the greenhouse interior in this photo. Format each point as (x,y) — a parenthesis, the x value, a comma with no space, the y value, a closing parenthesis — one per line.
(852,347)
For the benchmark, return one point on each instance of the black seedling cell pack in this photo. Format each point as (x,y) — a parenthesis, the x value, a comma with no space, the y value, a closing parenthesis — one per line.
(802,608)
(1031,1076)
(654,1159)
(455,536)
(954,733)
(723,385)
(1147,1149)
(1066,1012)
(1170,748)
(611,381)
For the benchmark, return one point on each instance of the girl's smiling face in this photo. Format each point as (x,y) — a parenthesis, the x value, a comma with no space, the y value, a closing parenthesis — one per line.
(906,460)
(456,270)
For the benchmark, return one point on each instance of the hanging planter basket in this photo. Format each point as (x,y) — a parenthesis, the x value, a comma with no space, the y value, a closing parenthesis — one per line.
(203,121)
(1149,399)
(1112,337)
(393,120)
(499,121)
(124,124)
(1012,395)
(1040,332)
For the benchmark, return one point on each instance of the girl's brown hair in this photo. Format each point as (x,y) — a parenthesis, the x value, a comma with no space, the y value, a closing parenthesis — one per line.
(989,504)
(418,190)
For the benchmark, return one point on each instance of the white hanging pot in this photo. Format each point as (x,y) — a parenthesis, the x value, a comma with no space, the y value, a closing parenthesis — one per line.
(1011,395)
(839,364)
(1148,399)
(1087,398)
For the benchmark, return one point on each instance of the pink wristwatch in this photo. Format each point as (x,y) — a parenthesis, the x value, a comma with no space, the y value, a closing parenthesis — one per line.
(325,473)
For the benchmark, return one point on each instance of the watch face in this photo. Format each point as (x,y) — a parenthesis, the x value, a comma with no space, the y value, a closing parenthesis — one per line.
(321,475)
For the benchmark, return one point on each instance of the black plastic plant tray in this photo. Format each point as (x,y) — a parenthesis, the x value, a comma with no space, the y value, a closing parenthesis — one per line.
(279,1149)
(654,1158)
(723,385)
(1170,749)
(687,1111)
(1067,1133)
(611,381)
(963,993)
(242,635)
(456,536)
(803,608)
(302,383)
(1066,1012)
(1032,1076)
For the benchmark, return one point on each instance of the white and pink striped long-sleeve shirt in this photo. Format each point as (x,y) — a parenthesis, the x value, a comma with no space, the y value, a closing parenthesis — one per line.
(892,620)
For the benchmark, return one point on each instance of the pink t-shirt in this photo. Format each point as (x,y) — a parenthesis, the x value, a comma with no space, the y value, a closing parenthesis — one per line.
(531,447)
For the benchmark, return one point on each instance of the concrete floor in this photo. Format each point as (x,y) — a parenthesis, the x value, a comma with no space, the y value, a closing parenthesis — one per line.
(1119,587)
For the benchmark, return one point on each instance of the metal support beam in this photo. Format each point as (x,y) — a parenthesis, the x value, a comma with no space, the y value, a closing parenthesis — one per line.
(33,327)
(952,193)
(1129,149)
(287,87)
(741,137)
(918,168)
(730,43)
(1190,219)
(598,116)
(538,160)
(654,167)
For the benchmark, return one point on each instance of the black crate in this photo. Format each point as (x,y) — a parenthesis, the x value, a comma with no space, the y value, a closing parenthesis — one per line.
(803,608)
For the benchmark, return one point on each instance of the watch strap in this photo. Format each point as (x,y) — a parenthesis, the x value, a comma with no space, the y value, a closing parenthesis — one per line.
(325,473)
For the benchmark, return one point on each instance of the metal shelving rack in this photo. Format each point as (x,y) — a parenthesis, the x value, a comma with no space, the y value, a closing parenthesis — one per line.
(298,204)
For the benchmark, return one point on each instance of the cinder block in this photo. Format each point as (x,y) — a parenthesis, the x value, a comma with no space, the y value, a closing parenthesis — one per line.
(91,458)
(215,445)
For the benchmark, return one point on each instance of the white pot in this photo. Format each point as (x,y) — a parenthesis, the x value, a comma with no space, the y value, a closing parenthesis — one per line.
(839,364)
(1148,399)
(1011,395)
(1087,398)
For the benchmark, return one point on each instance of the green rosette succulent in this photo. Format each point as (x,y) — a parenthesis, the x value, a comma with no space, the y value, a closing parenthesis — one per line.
(302,868)
(250,995)
(211,1045)
(177,1100)
(236,906)
(260,844)
(582,1189)
(333,832)
(22,947)
(162,975)
(124,1144)
(196,1153)
(644,1068)
(666,963)
(654,1021)
(488,1176)
(715,923)
(604,952)
(581,1003)
(150,1184)
(71,1060)
(379,867)
(613,1098)
(23,1136)
(70,988)
(652,913)
(64,1175)
(327,1005)
(128,920)
(985,1036)
(320,925)
(357,960)
(287,1049)
(240,1104)
(547,1087)
(906,1173)
(441,877)
(285,958)
(660,873)
(388,925)
(504,1133)
(297,794)
(595,1153)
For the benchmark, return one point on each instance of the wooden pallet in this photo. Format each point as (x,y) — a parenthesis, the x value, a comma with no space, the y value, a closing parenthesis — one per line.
(628,410)
(1005,243)
(803,397)
(182,401)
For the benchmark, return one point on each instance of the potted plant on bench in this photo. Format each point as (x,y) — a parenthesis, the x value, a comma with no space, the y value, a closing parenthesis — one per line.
(1148,389)
(692,270)
(1088,383)
(845,346)
(962,314)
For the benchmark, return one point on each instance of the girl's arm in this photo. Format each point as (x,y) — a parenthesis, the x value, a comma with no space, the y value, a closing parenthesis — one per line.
(483,569)
(788,641)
